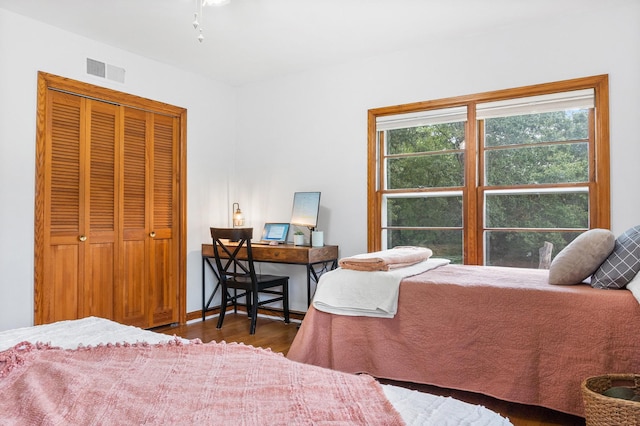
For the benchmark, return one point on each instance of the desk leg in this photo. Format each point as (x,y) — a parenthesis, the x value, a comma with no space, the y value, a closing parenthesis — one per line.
(309,272)
(204,309)
(315,275)
(205,306)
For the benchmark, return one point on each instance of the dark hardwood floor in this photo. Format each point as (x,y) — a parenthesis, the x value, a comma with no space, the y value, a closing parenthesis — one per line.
(275,334)
(270,333)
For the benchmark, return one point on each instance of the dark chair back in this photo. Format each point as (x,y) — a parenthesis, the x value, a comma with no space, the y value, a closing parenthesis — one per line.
(237,260)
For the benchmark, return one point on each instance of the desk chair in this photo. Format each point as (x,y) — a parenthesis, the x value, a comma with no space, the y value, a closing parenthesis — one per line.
(234,262)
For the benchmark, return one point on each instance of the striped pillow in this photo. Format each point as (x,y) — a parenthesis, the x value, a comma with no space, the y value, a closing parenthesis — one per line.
(622,264)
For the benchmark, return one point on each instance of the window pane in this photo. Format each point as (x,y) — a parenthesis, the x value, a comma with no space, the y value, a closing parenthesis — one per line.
(425,212)
(521,249)
(560,210)
(534,128)
(565,163)
(443,243)
(533,152)
(428,171)
(435,137)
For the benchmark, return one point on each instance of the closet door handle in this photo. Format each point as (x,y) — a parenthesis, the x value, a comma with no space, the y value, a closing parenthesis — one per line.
(82,238)
(152,234)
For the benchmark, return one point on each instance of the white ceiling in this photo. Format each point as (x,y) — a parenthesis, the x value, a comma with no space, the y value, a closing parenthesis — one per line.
(252,40)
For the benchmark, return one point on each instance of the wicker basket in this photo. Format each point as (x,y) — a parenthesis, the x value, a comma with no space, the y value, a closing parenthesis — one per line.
(602,410)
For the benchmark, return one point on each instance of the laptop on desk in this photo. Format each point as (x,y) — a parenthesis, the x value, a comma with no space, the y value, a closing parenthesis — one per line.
(273,233)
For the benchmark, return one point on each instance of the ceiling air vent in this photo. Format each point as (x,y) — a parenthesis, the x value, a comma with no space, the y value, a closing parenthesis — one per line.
(96,68)
(103,70)
(115,73)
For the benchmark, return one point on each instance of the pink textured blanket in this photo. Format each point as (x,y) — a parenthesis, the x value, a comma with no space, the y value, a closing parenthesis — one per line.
(504,332)
(385,260)
(177,384)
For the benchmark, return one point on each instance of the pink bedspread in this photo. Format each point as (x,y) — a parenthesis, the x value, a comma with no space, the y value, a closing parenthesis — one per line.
(503,332)
(180,385)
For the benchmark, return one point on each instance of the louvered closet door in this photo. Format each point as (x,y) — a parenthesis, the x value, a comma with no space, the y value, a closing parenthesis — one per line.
(163,244)
(147,292)
(101,210)
(80,222)
(109,214)
(133,286)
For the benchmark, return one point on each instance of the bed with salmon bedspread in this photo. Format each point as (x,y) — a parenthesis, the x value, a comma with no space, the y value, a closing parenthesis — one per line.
(503,332)
(96,371)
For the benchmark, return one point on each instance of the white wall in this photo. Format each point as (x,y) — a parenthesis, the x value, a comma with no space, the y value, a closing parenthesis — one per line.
(312,127)
(27,46)
(305,131)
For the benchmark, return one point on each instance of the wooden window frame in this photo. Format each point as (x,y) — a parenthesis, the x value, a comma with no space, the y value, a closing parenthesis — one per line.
(599,183)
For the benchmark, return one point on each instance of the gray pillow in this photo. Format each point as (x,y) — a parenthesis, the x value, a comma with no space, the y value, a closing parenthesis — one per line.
(581,257)
(622,264)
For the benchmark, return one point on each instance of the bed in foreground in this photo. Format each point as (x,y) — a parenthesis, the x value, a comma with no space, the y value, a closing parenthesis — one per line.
(503,332)
(113,378)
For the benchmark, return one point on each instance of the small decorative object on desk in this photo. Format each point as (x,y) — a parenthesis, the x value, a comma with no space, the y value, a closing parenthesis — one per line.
(317,238)
(298,238)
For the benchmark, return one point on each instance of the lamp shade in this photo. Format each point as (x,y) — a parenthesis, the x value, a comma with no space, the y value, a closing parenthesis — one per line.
(238,217)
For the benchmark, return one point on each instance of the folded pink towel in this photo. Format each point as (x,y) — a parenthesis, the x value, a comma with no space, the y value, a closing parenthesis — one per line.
(397,257)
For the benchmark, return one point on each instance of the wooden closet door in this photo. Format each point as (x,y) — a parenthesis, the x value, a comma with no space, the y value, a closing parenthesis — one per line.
(134,283)
(101,210)
(110,206)
(148,289)
(80,212)
(163,248)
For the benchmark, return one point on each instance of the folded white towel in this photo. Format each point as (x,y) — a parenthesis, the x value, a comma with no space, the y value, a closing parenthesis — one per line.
(358,293)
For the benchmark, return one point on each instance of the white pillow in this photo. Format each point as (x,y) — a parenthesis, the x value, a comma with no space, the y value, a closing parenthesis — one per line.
(582,257)
(634,287)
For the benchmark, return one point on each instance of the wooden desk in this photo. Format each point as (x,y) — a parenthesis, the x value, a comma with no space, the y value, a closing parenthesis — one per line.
(327,256)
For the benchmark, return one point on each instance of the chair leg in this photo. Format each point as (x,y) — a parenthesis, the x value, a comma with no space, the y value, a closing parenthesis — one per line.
(254,312)
(285,301)
(248,298)
(223,307)
(235,300)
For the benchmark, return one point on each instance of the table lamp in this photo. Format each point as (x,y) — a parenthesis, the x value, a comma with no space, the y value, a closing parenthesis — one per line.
(238,217)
